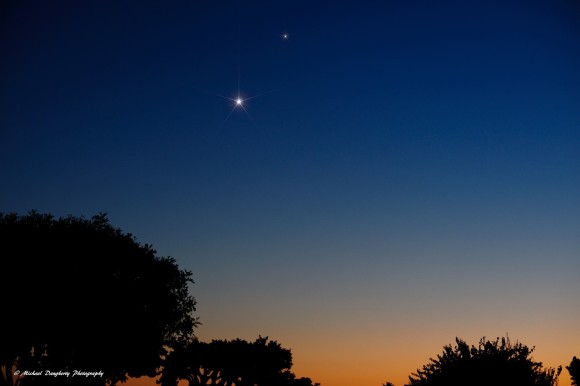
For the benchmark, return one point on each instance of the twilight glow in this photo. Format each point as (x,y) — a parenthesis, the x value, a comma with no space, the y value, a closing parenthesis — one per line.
(411,176)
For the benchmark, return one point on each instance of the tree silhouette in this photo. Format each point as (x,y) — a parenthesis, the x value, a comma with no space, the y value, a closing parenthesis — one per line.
(574,370)
(491,363)
(228,363)
(79,294)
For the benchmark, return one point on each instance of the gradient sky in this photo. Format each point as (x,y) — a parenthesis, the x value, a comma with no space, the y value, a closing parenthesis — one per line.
(408,172)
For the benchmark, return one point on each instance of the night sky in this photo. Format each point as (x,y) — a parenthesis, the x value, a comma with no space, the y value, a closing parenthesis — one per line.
(399,173)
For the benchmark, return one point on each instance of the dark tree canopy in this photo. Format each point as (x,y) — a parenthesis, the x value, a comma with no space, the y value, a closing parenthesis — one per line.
(496,362)
(79,294)
(574,370)
(227,363)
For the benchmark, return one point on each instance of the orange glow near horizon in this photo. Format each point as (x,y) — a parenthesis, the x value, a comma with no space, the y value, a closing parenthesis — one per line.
(331,371)
(368,358)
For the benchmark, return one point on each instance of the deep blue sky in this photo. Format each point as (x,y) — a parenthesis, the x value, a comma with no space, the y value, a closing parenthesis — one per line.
(422,153)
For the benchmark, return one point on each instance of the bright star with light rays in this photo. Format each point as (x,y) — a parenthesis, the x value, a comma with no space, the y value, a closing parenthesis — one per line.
(238,103)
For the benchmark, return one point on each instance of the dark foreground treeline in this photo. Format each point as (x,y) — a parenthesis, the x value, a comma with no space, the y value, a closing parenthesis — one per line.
(491,362)
(86,304)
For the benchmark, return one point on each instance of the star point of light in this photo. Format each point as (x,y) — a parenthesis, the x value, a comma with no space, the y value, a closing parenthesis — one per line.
(238,103)
(285,36)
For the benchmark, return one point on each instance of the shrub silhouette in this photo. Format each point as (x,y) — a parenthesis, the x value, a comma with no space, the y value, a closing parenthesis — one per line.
(574,370)
(496,363)
(82,295)
(236,362)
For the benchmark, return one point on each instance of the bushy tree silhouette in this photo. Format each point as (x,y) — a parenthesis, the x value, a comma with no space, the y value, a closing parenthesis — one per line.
(227,363)
(498,363)
(79,294)
(574,370)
